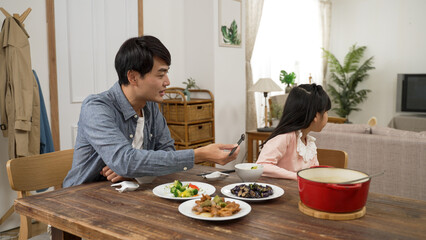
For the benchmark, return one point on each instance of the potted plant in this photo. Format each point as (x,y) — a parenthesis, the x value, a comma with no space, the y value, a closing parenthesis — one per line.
(190,84)
(346,78)
(287,78)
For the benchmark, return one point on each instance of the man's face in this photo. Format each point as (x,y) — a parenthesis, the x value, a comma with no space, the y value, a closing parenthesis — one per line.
(153,85)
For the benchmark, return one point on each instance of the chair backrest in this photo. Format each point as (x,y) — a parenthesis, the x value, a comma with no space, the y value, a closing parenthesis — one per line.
(39,171)
(276,101)
(334,158)
(336,120)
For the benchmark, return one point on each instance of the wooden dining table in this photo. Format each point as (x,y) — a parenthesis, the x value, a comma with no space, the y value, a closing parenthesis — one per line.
(98,211)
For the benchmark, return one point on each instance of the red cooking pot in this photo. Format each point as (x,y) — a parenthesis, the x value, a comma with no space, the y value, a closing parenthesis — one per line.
(319,189)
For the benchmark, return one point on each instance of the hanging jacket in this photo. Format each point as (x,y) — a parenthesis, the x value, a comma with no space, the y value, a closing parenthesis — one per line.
(19,96)
(46,141)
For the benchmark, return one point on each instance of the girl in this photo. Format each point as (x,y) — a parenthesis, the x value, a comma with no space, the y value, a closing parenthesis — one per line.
(289,148)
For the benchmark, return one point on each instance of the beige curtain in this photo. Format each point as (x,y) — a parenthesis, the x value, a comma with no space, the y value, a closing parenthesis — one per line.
(253,15)
(325,15)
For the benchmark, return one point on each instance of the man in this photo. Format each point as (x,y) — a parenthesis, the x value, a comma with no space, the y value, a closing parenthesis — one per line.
(121,132)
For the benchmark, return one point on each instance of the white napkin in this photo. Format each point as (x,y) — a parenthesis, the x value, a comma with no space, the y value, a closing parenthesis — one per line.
(126,186)
(215,175)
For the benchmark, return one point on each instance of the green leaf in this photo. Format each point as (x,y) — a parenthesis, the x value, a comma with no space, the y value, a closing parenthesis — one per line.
(230,35)
(345,79)
(287,78)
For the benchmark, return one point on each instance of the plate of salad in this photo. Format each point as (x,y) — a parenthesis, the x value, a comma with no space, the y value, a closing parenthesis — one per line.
(184,190)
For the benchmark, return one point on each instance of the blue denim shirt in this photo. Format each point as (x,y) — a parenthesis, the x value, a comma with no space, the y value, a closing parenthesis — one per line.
(106,128)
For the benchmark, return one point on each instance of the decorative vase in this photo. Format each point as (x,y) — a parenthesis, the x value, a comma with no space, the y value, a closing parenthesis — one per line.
(187,94)
(288,89)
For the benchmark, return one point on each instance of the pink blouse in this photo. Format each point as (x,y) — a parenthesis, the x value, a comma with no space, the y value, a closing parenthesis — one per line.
(285,154)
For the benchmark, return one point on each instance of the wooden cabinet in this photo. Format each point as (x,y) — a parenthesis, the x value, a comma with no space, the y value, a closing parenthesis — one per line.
(191,123)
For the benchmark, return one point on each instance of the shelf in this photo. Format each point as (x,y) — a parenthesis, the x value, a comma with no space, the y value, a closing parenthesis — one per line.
(191,123)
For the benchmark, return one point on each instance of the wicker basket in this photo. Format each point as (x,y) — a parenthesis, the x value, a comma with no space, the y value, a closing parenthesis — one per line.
(195,112)
(196,132)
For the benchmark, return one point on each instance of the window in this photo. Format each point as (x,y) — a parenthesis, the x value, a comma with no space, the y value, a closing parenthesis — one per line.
(289,38)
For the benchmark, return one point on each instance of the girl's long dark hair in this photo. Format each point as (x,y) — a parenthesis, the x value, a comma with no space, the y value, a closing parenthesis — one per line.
(301,107)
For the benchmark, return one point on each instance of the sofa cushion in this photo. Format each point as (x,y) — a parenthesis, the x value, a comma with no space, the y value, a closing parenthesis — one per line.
(385,131)
(346,127)
(377,130)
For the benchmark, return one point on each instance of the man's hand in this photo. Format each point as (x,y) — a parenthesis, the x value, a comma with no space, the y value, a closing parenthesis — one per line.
(112,176)
(215,153)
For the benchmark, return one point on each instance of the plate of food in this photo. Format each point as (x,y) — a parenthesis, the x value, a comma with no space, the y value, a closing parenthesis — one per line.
(252,191)
(214,209)
(178,190)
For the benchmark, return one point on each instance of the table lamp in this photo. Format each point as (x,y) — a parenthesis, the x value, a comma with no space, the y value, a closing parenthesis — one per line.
(265,85)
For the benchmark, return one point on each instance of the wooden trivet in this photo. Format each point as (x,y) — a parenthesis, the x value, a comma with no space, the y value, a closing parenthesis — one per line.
(331,216)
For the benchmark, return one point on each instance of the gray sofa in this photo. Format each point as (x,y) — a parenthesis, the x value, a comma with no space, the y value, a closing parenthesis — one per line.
(402,154)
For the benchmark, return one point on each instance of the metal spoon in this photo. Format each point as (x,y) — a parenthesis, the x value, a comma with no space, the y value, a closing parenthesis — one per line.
(359,179)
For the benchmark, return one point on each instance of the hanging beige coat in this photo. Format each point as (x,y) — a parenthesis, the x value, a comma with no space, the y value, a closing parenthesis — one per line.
(19,94)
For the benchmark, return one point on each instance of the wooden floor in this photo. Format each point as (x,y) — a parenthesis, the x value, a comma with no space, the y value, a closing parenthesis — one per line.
(38,228)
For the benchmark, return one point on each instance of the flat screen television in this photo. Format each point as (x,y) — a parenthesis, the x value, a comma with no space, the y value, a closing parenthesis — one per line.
(411,93)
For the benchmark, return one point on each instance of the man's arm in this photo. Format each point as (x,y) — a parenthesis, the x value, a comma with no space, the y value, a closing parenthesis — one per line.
(115,149)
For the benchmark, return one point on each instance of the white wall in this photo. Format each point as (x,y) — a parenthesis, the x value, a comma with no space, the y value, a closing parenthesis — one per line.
(88,36)
(35,24)
(394,33)
(164,19)
(189,28)
(230,82)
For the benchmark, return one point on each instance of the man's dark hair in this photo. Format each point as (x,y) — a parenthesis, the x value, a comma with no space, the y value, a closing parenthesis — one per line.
(302,105)
(138,54)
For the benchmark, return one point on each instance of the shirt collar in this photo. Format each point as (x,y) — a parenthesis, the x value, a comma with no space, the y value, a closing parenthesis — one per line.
(309,138)
(10,34)
(124,105)
(307,151)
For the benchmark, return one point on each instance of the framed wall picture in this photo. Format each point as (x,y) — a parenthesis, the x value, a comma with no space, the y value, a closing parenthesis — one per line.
(230,23)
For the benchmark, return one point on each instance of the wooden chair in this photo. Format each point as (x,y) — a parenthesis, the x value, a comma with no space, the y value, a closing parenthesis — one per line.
(276,101)
(336,120)
(334,158)
(37,172)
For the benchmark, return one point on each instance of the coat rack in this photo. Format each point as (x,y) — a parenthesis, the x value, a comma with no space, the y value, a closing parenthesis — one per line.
(20,18)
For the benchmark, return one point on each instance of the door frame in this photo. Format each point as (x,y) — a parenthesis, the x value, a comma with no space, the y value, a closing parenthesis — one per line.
(53,78)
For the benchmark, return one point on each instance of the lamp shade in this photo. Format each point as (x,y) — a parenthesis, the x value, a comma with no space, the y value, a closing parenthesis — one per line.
(265,85)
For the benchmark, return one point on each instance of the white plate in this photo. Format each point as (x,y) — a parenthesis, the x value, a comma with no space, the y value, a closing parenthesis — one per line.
(186,209)
(164,190)
(278,192)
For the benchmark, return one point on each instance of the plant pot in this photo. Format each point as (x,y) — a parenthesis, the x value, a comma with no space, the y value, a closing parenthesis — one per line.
(288,89)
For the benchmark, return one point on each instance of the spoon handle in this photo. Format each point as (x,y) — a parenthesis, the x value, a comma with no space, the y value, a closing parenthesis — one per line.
(359,179)
(243,136)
